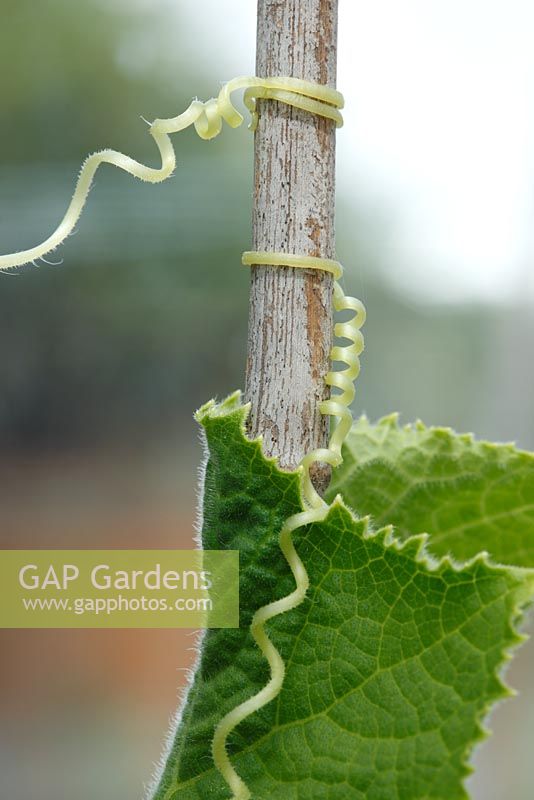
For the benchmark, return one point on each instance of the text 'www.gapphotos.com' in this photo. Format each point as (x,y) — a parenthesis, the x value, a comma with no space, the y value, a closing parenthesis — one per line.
(111,605)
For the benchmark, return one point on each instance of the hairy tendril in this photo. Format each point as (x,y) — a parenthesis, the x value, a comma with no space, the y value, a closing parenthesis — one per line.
(207,118)
(315,507)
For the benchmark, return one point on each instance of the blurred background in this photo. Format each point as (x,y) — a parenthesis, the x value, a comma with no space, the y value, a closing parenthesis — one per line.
(104,358)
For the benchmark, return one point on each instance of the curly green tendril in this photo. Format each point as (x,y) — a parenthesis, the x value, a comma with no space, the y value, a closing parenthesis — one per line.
(207,118)
(316,508)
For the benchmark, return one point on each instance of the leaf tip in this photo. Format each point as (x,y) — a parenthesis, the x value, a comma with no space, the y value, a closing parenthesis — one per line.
(389,421)
(227,406)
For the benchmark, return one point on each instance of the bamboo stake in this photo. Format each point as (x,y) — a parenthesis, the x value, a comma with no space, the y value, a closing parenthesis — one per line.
(290,319)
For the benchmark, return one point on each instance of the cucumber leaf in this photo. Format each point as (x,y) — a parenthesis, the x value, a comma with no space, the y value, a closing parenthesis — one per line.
(468,496)
(392,661)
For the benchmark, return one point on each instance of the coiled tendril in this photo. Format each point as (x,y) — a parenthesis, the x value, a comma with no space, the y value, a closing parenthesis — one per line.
(207,118)
(316,508)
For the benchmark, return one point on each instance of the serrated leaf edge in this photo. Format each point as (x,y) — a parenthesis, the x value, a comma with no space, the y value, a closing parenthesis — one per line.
(414,546)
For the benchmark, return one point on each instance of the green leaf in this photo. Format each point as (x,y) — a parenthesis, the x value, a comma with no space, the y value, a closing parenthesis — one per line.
(392,661)
(469,496)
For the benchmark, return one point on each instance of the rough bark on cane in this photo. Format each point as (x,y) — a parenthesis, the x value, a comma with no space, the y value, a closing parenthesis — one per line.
(290,320)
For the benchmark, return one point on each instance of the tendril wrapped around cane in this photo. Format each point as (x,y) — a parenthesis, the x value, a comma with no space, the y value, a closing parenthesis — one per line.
(207,118)
(338,406)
